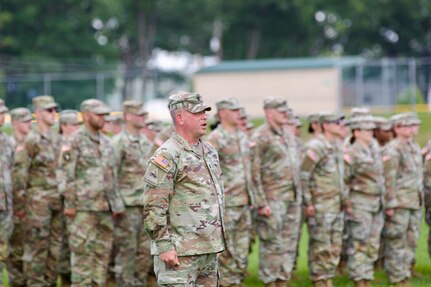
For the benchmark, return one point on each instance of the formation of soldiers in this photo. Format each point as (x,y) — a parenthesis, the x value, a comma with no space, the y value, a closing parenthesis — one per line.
(86,200)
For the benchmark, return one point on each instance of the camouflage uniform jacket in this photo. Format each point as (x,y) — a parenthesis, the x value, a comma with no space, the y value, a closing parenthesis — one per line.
(403,174)
(364,176)
(89,167)
(132,154)
(6,161)
(322,178)
(234,153)
(183,199)
(275,170)
(42,154)
(426,153)
(19,174)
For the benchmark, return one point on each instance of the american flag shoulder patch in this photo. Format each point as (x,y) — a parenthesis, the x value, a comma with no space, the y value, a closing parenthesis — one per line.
(161,162)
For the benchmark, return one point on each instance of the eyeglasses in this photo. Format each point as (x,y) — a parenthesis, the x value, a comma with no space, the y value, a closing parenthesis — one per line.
(50,110)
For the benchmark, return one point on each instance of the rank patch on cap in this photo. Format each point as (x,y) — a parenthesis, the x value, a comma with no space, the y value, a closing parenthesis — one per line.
(161,161)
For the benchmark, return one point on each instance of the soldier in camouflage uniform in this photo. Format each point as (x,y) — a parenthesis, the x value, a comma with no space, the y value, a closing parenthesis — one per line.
(6,208)
(403,181)
(183,200)
(44,207)
(91,197)
(21,123)
(131,243)
(113,124)
(314,127)
(151,129)
(383,132)
(324,193)
(233,148)
(364,181)
(276,179)
(69,123)
(426,151)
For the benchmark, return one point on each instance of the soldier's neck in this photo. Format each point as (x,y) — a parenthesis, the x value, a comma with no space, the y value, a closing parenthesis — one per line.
(19,136)
(132,130)
(90,129)
(329,137)
(43,127)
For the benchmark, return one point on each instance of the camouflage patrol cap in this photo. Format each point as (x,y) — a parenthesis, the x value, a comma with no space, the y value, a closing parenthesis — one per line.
(414,119)
(191,102)
(156,126)
(44,102)
(275,103)
(228,104)
(134,108)
(69,117)
(383,123)
(94,106)
(360,112)
(21,115)
(3,108)
(402,119)
(298,122)
(314,118)
(362,123)
(330,117)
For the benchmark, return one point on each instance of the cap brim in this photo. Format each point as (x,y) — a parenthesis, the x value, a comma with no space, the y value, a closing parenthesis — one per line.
(50,106)
(101,111)
(201,108)
(26,119)
(4,110)
(282,109)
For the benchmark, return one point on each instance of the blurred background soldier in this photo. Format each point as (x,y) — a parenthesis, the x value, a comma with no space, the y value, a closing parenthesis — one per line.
(151,129)
(323,189)
(233,148)
(6,208)
(403,180)
(113,125)
(131,243)
(69,123)
(91,197)
(44,206)
(21,124)
(383,132)
(183,200)
(314,127)
(365,183)
(274,170)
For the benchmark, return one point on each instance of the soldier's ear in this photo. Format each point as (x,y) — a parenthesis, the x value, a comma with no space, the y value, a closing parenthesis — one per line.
(179,118)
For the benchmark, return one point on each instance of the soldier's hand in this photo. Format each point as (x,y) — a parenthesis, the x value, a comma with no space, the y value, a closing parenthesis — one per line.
(264,211)
(20,213)
(310,211)
(118,215)
(170,258)
(70,212)
(389,212)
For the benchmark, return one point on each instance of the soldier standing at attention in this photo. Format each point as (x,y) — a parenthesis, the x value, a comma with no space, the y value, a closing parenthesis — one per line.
(44,207)
(403,180)
(233,148)
(314,127)
(274,171)
(69,124)
(91,197)
(6,208)
(21,123)
(183,200)
(365,183)
(131,243)
(323,190)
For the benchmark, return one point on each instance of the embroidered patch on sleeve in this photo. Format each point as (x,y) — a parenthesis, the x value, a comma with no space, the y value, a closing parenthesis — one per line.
(311,154)
(161,162)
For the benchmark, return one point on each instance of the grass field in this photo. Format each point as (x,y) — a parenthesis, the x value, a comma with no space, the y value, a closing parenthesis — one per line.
(301,275)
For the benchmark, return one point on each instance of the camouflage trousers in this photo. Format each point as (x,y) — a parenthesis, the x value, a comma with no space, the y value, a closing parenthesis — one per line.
(45,235)
(326,232)
(278,236)
(90,241)
(15,265)
(132,249)
(6,229)
(193,271)
(364,228)
(428,221)
(233,260)
(401,238)
(64,264)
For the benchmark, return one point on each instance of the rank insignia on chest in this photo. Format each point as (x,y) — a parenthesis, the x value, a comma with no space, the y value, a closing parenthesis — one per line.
(154,173)
(161,161)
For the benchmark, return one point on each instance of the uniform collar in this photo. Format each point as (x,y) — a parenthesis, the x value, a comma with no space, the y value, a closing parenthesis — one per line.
(93,137)
(185,143)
